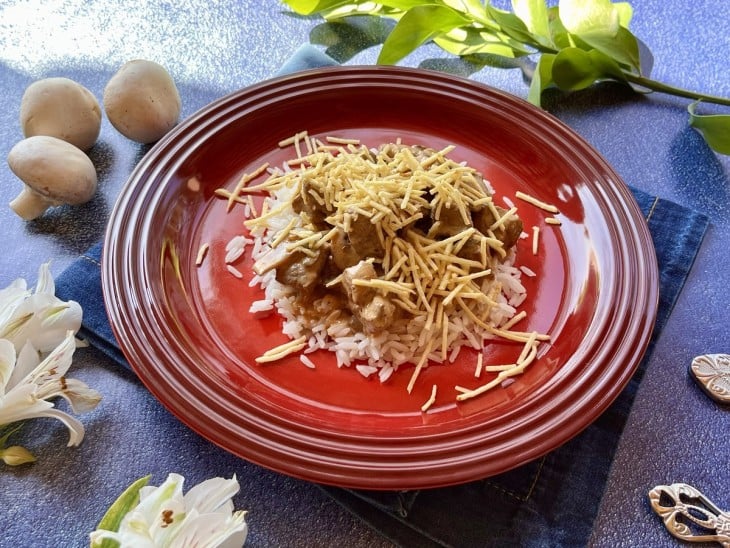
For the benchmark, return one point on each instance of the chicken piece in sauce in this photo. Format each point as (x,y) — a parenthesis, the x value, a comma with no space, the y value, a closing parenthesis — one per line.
(363,237)
(343,252)
(301,271)
(508,233)
(311,203)
(374,311)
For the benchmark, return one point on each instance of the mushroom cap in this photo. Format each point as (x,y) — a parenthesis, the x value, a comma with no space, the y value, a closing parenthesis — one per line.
(55,169)
(142,101)
(62,108)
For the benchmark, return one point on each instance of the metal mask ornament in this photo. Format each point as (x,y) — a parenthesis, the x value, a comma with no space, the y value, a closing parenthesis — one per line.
(689,515)
(712,372)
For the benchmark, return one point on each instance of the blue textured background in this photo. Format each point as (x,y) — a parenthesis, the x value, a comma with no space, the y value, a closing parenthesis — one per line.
(675,433)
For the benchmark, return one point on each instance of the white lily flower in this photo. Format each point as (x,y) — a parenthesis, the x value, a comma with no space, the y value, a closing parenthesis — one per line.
(26,387)
(37,342)
(38,317)
(165,518)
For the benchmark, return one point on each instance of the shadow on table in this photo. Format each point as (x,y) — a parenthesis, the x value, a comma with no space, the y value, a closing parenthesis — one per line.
(699,175)
(346,38)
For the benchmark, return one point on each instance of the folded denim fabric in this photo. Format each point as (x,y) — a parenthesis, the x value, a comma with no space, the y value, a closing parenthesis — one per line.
(552,501)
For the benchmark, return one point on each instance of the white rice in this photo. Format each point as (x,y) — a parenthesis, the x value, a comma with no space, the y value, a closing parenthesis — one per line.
(528,271)
(233,270)
(262,305)
(235,248)
(366,370)
(385,372)
(306,361)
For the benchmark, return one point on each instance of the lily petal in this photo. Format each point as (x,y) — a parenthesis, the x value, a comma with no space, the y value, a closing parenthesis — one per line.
(163,508)
(152,498)
(7,364)
(20,404)
(13,328)
(10,299)
(44,320)
(48,376)
(212,495)
(80,396)
(55,365)
(45,280)
(213,531)
(75,428)
(27,360)
(134,535)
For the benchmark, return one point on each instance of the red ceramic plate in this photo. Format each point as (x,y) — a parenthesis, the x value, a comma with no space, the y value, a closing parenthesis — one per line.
(188,334)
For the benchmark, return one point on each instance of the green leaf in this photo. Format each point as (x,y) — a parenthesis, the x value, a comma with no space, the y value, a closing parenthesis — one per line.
(511,25)
(559,34)
(417,26)
(534,14)
(7,430)
(340,8)
(361,9)
(541,79)
(574,68)
(471,8)
(625,13)
(715,128)
(120,508)
(401,5)
(469,41)
(623,47)
(589,17)
(408,4)
(309,7)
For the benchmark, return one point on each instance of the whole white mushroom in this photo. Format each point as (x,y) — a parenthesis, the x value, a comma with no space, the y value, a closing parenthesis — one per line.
(142,101)
(54,172)
(62,108)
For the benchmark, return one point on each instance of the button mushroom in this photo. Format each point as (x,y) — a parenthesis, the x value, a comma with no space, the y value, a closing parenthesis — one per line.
(62,108)
(54,172)
(142,101)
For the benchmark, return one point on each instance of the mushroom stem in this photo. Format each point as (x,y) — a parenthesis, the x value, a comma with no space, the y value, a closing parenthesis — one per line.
(29,204)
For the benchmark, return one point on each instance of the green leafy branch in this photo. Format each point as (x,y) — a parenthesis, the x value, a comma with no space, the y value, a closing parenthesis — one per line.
(577,43)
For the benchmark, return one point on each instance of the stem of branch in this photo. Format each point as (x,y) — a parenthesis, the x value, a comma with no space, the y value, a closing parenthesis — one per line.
(672,90)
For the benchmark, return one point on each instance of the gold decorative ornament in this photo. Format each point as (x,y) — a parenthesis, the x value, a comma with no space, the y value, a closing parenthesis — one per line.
(712,372)
(689,515)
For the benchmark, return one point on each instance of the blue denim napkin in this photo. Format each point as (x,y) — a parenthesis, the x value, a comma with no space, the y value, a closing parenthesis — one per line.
(551,501)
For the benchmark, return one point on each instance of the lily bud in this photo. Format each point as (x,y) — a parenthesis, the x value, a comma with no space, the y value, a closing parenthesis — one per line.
(16,455)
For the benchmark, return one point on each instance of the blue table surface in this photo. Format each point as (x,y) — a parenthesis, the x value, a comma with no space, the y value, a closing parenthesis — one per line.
(674,434)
